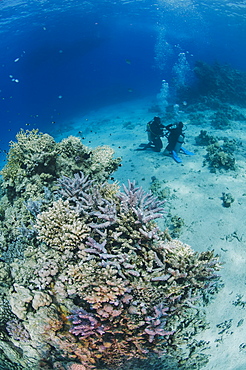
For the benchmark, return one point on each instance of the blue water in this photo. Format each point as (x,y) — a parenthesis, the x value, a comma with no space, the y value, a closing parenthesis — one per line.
(63,58)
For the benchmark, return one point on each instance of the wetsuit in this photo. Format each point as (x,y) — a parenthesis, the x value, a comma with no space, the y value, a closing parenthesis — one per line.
(155,132)
(175,138)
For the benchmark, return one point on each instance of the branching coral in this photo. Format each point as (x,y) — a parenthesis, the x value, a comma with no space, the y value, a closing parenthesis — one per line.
(100,283)
(17,331)
(85,324)
(123,283)
(60,226)
(145,206)
(76,188)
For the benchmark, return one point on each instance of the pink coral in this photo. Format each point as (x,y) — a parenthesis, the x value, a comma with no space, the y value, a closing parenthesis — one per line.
(77,367)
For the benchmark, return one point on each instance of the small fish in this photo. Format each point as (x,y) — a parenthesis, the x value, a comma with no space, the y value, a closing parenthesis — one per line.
(128,61)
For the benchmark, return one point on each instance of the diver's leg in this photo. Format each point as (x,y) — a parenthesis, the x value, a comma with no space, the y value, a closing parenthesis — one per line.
(144,146)
(158,144)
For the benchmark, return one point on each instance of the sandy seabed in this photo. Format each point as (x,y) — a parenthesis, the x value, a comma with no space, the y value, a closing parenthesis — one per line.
(195,196)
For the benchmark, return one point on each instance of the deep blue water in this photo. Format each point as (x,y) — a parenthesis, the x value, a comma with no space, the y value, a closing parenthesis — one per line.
(60,58)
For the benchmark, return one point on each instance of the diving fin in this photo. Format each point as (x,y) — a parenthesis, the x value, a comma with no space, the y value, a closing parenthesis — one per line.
(144,146)
(176,157)
(185,151)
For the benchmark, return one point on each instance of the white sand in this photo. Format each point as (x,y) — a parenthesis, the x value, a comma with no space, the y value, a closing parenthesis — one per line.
(197,199)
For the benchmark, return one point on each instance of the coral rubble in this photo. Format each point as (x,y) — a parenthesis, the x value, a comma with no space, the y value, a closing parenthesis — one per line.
(99,284)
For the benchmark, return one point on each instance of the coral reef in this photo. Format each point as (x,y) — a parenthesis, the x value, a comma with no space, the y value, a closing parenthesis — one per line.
(222,118)
(98,284)
(177,223)
(216,86)
(157,189)
(103,284)
(219,151)
(197,119)
(205,139)
(35,160)
(34,163)
(222,82)
(220,155)
(219,120)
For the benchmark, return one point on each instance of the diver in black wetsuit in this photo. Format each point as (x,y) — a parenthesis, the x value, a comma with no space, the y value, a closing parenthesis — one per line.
(155,132)
(175,137)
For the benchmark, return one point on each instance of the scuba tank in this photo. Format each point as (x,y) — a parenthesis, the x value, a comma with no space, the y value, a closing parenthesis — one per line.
(150,135)
(179,143)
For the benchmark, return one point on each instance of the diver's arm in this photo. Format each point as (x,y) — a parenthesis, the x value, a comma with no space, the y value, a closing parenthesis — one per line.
(168,126)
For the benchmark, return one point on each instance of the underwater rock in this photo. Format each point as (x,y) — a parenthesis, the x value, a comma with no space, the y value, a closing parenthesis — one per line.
(227,199)
(19,299)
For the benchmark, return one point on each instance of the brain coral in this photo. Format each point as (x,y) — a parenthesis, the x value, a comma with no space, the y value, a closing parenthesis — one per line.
(101,284)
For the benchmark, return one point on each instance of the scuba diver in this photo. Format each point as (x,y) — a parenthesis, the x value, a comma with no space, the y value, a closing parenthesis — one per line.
(175,136)
(155,132)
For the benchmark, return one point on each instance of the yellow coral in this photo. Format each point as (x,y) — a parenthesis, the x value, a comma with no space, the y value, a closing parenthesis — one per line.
(102,155)
(60,227)
(31,149)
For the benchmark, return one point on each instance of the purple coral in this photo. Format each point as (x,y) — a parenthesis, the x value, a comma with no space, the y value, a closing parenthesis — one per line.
(17,331)
(106,212)
(77,191)
(145,206)
(74,188)
(86,324)
(156,323)
(86,198)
